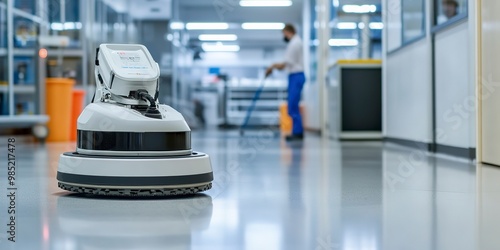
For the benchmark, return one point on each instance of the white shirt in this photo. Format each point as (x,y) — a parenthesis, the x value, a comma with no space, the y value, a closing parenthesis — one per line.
(294,58)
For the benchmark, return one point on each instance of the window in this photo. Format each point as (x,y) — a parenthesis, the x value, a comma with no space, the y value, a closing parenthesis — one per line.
(405,22)
(393,26)
(3,28)
(449,10)
(413,19)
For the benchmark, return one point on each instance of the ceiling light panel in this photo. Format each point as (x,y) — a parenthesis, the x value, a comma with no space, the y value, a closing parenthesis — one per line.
(207,26)
(266,3)
(262,26)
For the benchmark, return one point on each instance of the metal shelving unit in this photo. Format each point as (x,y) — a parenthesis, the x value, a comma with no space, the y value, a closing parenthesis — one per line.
(19,89)
(3,52)
(266,112)
(10,91)
(25,21)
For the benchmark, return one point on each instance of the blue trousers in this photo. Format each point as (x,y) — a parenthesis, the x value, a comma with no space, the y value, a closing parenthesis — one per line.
(295,84)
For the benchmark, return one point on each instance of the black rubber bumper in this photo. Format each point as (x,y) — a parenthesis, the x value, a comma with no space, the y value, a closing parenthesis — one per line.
(133,141)
(134,181)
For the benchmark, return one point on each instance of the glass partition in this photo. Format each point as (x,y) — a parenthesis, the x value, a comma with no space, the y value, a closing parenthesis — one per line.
(393,26)
(405,22)
(3,27)
(4,68)
(413,20)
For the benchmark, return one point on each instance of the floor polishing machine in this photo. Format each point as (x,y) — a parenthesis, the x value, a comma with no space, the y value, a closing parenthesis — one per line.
(127,143)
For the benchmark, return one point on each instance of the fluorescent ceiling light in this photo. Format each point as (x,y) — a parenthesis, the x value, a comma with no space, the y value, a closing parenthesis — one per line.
(211,37)
(219,47)
(265,3)
(347,26)
(263,26)
(66,26)
(348,8)
(56,26)
(207,26)
(376,26)
(336,3)
(343,42)
(177,25)
(361,26)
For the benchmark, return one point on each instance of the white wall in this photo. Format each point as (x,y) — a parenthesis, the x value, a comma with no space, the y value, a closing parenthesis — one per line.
(407,81)
(473,72)
(251,62)
(408,93)
(455,106)
(310,97)
(408,86)
(244,57)
(490,119)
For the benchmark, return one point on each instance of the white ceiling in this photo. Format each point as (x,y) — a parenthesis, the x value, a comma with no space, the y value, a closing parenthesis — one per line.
(213,10)
(230,11)
(224,11)
(218,11)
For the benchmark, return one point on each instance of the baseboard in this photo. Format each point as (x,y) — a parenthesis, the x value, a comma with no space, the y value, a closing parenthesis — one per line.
(410,143)
(490,164)
(360,136)
(469,153)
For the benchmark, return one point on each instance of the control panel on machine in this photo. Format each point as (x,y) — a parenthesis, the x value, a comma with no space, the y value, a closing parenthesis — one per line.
(127,74)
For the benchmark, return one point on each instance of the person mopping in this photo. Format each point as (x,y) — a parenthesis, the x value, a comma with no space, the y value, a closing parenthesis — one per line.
(294,64)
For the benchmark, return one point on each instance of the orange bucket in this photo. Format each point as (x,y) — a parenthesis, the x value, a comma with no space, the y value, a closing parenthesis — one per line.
(59,102)
(77,107)
(286,121)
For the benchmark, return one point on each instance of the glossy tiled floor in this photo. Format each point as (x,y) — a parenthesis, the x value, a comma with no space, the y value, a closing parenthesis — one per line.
(270,195)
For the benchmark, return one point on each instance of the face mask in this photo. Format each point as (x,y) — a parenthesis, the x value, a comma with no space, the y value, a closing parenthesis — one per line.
(286,39)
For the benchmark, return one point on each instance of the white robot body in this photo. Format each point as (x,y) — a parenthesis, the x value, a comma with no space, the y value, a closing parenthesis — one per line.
(115,118)
(109,129)
(127,143)
(126,67)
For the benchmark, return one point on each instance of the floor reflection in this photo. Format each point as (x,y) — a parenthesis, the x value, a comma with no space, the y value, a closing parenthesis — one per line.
(319,194)
(429,202)
(361,216)
(294,219)
(144,223)
(489,207)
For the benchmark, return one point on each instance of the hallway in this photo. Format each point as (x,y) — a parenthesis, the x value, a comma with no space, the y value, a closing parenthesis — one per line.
(270,195)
